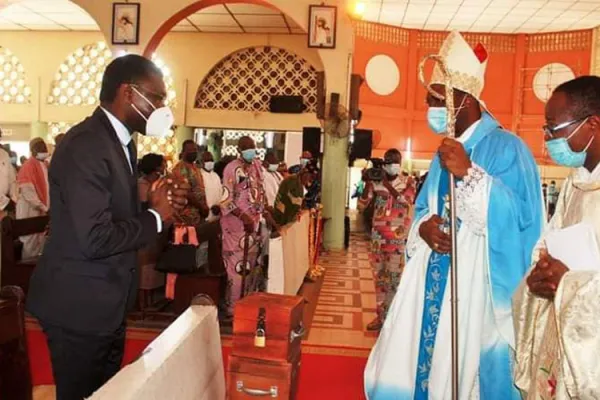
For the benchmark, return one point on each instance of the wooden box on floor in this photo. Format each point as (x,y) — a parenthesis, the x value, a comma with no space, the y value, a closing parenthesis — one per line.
(248,378)
(283,327)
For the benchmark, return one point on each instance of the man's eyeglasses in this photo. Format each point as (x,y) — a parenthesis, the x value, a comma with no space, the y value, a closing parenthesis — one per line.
(159,98)
(551,131)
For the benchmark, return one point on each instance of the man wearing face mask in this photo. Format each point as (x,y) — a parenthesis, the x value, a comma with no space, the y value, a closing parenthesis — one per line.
(392,200)
(305,158)
(186,170)
(34,198)
(86,279)
(243,205)
(272,177)
(556,309)
(499,209)
(212,184)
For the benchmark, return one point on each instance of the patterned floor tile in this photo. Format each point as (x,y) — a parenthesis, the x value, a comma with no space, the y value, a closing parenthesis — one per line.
(346,303)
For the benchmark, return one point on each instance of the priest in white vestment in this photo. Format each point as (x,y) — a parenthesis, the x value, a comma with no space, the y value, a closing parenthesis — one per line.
(557,308)
(213,187)
(271,177)
(499,206)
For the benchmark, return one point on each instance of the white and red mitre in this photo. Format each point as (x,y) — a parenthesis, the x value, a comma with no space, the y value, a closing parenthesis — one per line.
(466,65)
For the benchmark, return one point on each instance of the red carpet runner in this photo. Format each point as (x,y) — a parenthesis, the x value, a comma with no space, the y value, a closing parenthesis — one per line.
(322,376)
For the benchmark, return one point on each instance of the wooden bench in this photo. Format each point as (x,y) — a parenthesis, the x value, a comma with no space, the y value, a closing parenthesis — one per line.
(15,270)
(15,378)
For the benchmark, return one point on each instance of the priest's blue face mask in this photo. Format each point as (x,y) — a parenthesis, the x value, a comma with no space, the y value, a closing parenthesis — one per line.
(559,149)
(437,117)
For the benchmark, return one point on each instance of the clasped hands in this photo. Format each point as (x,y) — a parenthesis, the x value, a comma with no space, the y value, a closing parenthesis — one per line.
(168,197)
(544,279)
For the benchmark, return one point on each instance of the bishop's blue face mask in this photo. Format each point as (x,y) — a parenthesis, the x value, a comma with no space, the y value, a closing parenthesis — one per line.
(562,154)
(437,118)
(248,155)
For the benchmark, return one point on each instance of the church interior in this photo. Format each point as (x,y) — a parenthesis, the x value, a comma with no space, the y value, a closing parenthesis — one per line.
(338,79)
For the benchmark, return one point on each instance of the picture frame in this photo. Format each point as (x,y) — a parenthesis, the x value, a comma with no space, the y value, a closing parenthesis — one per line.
(322,26)
(126,24)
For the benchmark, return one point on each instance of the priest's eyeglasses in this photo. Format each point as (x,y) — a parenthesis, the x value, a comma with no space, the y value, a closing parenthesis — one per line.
(550,131)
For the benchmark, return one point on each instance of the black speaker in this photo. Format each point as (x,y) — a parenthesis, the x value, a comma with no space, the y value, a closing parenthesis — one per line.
(286,104)
(356,82)
(311,140)
(363,144)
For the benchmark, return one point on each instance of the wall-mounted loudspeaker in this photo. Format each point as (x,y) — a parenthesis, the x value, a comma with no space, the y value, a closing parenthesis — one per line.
(363,144)
(321,95)
(356,82)
(311,140)
(286,104)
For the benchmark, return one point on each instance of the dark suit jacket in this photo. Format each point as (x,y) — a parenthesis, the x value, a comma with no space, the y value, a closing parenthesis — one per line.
(87,274)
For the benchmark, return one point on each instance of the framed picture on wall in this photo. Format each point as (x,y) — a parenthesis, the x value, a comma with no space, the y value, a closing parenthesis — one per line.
(126,23)
(322,26)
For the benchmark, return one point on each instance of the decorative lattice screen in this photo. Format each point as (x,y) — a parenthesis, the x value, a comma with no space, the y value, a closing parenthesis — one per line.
(246,80)
(13,89)
(166,147)
(56,128)
(79,78)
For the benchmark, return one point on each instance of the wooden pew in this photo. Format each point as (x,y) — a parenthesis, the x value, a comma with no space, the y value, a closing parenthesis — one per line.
(15,378)
(16,271)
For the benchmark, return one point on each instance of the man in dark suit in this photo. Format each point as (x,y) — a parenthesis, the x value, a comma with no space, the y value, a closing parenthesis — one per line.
(87,277)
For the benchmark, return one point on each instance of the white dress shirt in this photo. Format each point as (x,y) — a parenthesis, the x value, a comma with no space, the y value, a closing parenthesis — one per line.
(125,138)
(212,187)
(271,182)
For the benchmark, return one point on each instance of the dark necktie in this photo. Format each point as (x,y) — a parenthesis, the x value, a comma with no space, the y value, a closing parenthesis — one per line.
(132,155)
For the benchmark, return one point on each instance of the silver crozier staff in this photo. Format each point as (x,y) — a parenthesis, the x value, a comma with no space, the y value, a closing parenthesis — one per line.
(451,121)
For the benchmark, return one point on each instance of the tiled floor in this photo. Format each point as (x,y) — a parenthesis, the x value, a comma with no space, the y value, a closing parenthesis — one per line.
(346,303)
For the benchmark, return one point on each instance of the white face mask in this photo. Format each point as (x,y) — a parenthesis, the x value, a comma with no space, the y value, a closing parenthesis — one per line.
(273,167)
(159,122)
(209,166)
(392,169)
(42,156)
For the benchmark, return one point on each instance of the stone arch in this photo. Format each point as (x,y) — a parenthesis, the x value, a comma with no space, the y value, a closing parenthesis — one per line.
(167,25)
(246,79)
